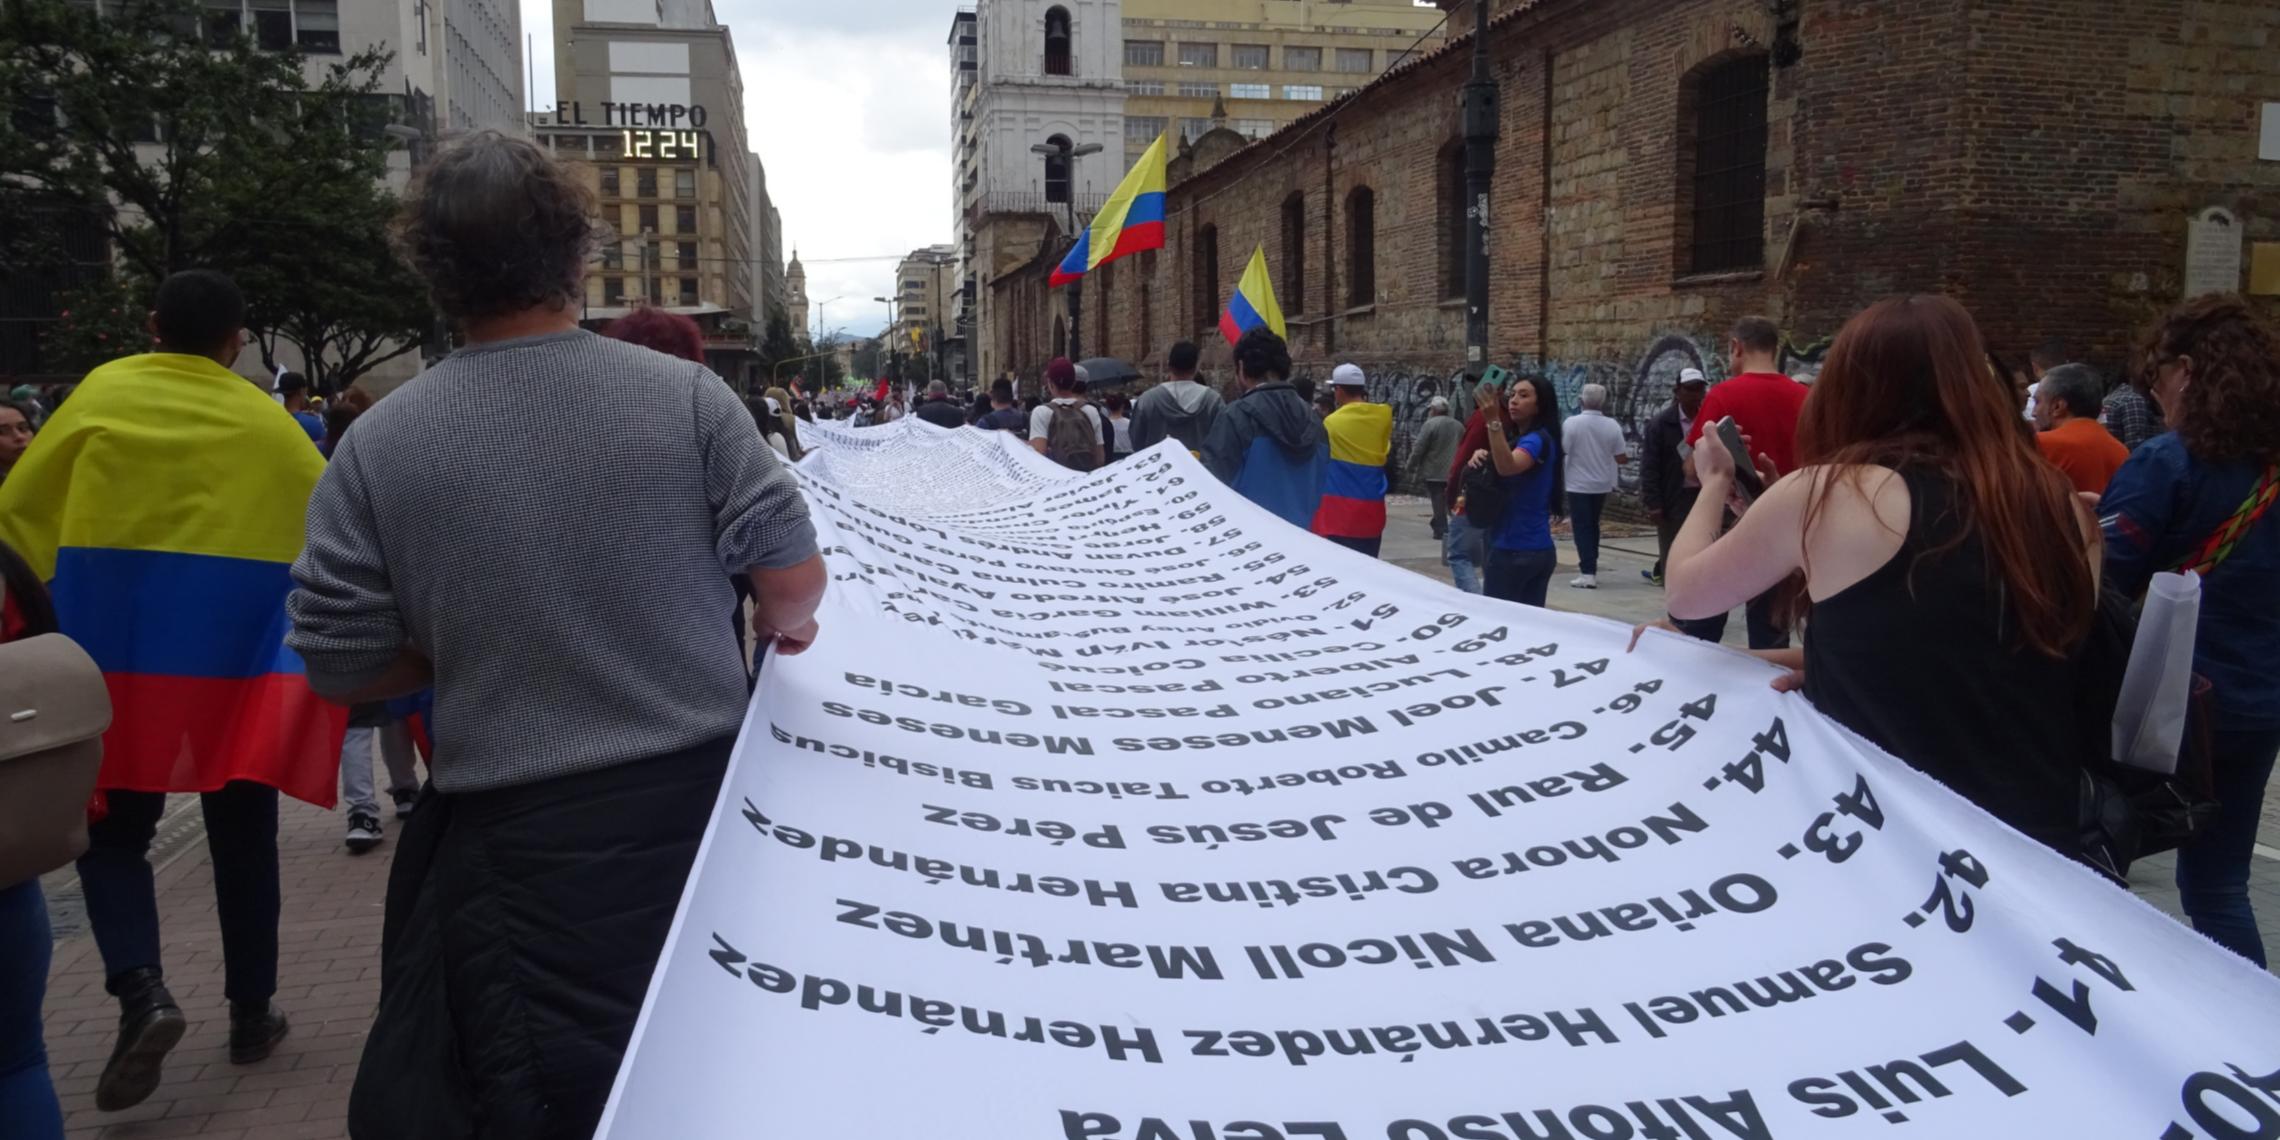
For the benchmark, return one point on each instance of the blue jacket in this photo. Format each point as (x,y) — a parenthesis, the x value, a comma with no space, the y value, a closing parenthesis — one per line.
(1269,446)
(2159,509)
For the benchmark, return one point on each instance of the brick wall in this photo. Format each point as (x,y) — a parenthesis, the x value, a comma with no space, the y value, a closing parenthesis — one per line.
(2038,159)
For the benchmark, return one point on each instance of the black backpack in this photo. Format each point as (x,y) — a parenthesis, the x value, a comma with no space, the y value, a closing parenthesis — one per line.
(1485,496)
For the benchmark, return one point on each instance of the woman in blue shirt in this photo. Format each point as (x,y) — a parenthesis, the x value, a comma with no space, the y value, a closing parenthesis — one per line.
(1524,444)
(2192,499)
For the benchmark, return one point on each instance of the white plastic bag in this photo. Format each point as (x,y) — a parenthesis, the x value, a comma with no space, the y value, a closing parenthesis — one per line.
(2149,716)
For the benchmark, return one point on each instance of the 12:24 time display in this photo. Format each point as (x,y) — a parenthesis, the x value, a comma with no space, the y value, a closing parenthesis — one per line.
(662,144)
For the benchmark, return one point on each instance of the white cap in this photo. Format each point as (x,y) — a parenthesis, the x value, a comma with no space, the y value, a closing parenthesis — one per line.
(1692,376)
(774,409)
(1348,376)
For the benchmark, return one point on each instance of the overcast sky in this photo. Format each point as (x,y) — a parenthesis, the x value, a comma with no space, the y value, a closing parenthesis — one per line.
(848,106)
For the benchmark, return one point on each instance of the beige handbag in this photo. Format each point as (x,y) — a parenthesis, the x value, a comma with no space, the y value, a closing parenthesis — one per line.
(54,710)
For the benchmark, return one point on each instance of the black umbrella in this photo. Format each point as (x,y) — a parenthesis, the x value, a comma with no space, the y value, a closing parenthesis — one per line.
(1105,370)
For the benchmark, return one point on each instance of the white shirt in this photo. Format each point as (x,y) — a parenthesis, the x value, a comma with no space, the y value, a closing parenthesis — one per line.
(1041,420)
(1592,442)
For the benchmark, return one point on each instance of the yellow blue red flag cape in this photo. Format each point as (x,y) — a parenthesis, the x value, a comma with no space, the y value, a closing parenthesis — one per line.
(1253,303)
(165,503)
(1131,221)
(1353,483)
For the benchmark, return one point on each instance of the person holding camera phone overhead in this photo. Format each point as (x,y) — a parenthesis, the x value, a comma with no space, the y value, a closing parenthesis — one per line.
(1766,405)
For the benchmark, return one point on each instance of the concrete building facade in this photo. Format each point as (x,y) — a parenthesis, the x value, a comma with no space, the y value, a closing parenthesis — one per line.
(924,283)
(1667,166)
(1265,62)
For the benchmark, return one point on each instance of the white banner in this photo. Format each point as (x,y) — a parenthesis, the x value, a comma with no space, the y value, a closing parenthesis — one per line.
(1112,807)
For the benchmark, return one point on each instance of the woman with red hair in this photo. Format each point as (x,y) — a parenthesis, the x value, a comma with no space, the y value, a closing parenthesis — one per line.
(1947,571)
(660,331)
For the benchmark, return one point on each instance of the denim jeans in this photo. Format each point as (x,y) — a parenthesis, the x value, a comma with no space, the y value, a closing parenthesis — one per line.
(28,1108)
(1465,550)
(2212,871)
(1583,515)
(395,740)
(122,904)
(1522,576)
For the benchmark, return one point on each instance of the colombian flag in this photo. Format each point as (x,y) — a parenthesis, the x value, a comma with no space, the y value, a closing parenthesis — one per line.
(1353,487)
(1253,303)
(165,503)
(1132,221)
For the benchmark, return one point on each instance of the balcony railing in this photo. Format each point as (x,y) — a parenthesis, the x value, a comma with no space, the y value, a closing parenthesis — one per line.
(1031,202)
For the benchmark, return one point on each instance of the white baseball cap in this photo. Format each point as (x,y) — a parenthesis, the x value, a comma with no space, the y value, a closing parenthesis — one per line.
(1692,376)
(1348,376)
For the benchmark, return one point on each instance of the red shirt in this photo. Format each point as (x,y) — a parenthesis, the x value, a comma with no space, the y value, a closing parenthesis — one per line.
(2085,451)
(1765,405)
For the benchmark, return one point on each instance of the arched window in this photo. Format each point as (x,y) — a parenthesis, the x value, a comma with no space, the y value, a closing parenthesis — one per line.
(1361,247)
(1294,253)
(1456,229)
(1057,39)
(1207,276)
(1721,163)
(1057,169)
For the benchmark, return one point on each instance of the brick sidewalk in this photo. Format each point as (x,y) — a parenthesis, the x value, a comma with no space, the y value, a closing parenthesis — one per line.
(328,983)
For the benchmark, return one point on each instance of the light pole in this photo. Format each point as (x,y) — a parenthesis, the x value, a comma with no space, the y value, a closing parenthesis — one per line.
(1480,124)
(1069,154)
(819,305)
(894,336)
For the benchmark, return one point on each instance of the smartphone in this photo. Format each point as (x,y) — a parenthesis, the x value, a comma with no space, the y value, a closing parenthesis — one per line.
(1745,471)
(1492,379)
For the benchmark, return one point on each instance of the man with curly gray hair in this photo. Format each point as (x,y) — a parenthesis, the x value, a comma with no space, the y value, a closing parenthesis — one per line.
(541,527)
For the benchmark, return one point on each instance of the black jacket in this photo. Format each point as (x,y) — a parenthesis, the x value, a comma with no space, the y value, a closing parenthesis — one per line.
(941,413)
(1662,475)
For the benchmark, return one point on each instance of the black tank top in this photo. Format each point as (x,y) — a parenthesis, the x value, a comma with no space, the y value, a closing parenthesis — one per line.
(1922,657)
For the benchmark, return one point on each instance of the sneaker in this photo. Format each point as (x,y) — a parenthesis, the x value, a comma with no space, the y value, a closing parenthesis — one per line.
(1653,579)
(405,802)
(1584,582)
(149,1026)
(255,1030)
(363,832)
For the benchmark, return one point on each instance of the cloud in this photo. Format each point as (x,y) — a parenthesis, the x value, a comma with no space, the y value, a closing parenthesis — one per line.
(848,105)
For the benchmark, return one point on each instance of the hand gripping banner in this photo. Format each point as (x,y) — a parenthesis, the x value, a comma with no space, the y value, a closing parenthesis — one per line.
(1109,807)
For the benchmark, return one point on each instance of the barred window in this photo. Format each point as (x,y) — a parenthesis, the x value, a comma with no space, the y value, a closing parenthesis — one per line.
(1726,183)
(1253,57)
(1199,55)
(1361,247)
(1302,59)
(1143,53)
(1354,60)
(1207,276)
(1294,253)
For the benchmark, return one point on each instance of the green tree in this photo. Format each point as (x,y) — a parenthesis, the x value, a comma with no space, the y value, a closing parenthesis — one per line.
(197,149)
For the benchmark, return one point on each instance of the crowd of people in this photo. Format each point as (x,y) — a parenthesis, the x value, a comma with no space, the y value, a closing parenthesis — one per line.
(570,649)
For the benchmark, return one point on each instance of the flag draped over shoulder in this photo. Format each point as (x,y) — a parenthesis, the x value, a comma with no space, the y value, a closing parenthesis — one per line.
(1254,303)
(165,503)
(1354,484)
(1130,222)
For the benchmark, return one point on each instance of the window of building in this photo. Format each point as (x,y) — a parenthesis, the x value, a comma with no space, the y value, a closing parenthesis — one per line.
(1252,128)
(1143,53)
(1250,91)
(1293,286)
(609,182)
(1361,247)
(1057,61)
(1145,87)
(656,287)
(606,145)
(223,23)
(613,255)
(684,183)
(273,24)
(316,26)
(648,219)
(645,182)
(685,219)
(1207,276)
(1723,171)
(910,311)
(613,290)
(1251,57)
(1302,59)
(1456,232)
(1303,92)
(688,290)
(1057,169)
(1199,91)
(1140,130)
(652,256)
(1199,55)
(685,255)
(1353,60)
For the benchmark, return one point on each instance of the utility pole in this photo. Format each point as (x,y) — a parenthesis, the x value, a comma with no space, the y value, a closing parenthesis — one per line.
(1479,103)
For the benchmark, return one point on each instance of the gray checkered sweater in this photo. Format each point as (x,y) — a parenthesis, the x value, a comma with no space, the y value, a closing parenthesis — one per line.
(552,520)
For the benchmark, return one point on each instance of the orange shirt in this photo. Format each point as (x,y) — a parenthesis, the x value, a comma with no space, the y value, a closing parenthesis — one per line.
(2085,451)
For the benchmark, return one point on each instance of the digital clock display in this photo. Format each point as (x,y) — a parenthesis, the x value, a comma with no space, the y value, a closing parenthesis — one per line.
(663,144)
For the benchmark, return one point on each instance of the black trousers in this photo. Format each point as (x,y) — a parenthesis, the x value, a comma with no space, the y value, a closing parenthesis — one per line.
(1369,546)
(522,926)
(1439,493)
(1765,631)
(122,902)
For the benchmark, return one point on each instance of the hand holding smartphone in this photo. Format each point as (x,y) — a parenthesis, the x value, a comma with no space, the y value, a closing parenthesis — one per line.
(1746,480)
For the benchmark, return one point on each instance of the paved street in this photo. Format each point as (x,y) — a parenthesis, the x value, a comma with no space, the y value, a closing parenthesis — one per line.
(331,934)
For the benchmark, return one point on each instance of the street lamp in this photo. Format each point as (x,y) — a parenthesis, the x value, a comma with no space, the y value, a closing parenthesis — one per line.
(1069,154)
(894,334)
(819,315)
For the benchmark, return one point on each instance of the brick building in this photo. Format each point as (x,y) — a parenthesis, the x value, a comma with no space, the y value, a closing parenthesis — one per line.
(1666,166)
